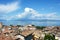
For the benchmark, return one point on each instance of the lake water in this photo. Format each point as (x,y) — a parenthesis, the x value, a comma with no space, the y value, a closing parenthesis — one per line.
(38,23)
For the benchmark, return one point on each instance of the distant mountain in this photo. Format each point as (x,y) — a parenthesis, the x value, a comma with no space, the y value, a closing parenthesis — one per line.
(29,20)
(35,20)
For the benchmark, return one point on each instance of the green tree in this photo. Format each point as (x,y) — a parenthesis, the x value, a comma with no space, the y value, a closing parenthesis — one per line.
(40,27)
(33,25)
(11,25)
(49,37)
(19,25)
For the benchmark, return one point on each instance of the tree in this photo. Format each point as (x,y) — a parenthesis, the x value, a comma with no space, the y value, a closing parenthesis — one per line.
(18,25)
(11,25)
(40,27)
(49,37)
(33,25)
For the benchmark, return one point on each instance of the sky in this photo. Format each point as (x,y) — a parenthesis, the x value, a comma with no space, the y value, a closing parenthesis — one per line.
(29,9)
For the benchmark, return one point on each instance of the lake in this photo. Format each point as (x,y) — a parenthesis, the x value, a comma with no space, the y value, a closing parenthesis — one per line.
(37,23)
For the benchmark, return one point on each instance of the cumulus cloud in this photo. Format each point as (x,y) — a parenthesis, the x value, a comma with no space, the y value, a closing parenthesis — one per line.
(27,11)
(33,14)
(30,13)
(6,8)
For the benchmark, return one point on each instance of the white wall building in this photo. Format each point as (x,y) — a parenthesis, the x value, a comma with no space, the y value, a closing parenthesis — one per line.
(19,36)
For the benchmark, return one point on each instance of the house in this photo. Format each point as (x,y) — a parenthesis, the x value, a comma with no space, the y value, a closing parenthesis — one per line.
(27,34)
(19,37)
(47,30)
(38,35)
(14,28)
(57,36)
(30,27)
(4,37)
(6,29)
(1,25)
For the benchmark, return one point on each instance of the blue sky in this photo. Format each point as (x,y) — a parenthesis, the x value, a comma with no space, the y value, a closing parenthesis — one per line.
(29,9)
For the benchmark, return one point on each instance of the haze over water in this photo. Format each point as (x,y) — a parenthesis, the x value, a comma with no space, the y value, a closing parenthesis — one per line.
(37,23)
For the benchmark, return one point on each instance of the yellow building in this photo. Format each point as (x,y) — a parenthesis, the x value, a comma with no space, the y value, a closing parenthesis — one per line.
(0,25)
(38,35)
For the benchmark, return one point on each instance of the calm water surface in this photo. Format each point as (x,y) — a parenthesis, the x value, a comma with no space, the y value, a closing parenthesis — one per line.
(39,23)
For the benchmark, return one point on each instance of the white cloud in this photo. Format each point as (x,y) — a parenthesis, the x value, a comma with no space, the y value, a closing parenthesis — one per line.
(6,8)
(27,11)
(30,13)
(35,15)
